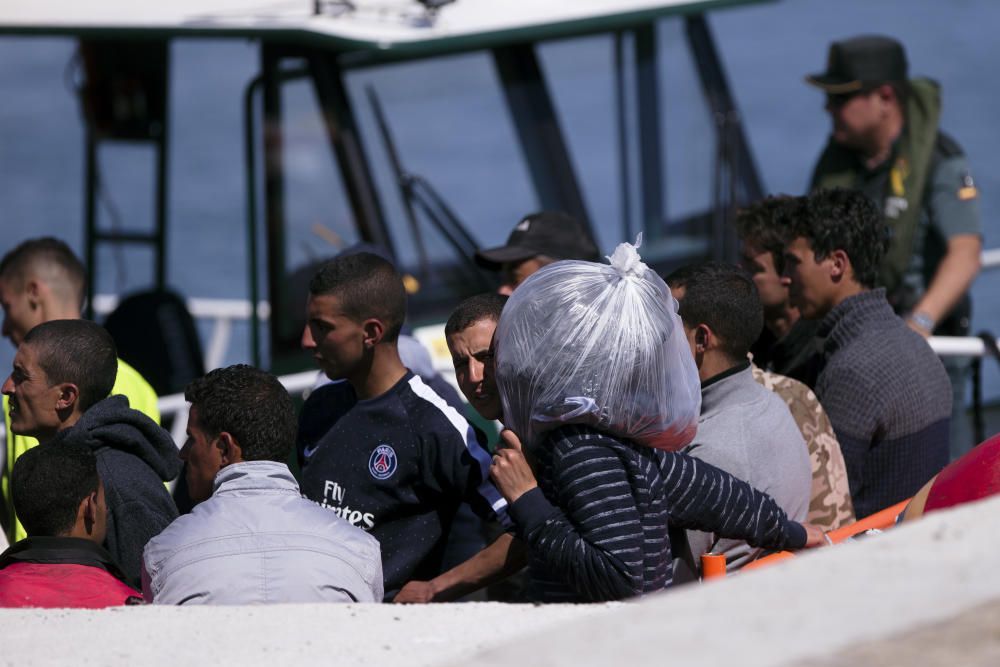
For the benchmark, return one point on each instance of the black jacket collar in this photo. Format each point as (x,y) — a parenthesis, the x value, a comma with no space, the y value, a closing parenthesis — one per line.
(66,550)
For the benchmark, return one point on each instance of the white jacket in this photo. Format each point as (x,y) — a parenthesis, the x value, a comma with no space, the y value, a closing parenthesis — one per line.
(256,540)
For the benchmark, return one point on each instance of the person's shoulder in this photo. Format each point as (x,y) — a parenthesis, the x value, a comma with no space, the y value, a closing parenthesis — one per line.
(130,482)
(573,434)
(336,392)
(849,373)
(179,534)
(946,147)
(583,442)
(141,395)
(430,414)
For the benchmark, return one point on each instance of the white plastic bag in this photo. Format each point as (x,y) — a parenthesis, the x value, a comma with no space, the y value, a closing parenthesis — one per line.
(586,343)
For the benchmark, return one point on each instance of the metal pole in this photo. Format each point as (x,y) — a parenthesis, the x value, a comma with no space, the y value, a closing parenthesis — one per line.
(537,125)
(90,218)
(650,148)
(722,103)
(162,148)
(250,154)
(621,110)
(342,129)
(274,183)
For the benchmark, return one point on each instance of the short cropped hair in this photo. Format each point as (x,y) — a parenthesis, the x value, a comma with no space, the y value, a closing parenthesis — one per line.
(76,351)
(49,482)
(368,286)
(767,223)
(487,306)
(725,298)
(249,404)
(51,260)
(846,220)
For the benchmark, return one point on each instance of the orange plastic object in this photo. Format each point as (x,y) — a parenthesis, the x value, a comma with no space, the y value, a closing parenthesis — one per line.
(765,561)
(883,519)
(713,566)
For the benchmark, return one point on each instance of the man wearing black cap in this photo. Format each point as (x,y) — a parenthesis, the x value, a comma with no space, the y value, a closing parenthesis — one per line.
(885,142)
(538,239)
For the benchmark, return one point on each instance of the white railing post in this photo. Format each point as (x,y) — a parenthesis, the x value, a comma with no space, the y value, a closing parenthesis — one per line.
(218,344)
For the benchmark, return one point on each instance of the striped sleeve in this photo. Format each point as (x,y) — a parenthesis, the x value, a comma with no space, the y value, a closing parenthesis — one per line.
(595,539)
(703,497)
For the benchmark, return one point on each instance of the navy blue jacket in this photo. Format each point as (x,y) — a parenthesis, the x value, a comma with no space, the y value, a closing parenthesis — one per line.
(398,466)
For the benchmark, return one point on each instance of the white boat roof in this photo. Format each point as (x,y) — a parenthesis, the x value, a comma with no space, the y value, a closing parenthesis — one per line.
(371,25)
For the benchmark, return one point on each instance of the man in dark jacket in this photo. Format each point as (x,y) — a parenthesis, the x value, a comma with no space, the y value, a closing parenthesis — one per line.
(377,446)
(885,391)
(63,372)
(60,501)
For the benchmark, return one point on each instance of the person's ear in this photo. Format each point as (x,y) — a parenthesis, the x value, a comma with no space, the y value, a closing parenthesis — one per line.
(69,394)
(33,289)
(229,448)
(840,264)
(702,338)
(89,509)
(374,330)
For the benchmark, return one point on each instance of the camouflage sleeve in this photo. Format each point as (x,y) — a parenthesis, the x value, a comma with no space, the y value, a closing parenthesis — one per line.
(830,503)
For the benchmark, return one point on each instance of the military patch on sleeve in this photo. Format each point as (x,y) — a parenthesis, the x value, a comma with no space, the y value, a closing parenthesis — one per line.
(968,189)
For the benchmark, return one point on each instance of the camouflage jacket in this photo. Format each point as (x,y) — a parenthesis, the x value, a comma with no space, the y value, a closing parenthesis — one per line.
(830,505)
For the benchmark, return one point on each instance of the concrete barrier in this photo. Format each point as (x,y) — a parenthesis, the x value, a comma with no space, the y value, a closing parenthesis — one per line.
(812,608)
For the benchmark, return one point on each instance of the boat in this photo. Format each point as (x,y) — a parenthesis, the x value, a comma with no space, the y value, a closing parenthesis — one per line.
(125,90)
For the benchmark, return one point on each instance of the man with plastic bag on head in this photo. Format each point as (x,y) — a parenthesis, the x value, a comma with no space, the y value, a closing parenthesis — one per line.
(597,383)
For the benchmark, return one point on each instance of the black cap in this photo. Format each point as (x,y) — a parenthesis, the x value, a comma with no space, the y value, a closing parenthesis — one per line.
(861,62)
(557,235)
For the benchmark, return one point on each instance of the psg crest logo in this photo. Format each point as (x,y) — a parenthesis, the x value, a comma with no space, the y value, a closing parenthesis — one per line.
(382,462)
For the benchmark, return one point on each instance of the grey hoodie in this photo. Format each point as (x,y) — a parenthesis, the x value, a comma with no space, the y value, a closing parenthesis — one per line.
(135,456)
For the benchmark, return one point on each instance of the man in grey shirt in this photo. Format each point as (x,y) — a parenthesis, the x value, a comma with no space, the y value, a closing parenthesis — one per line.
(253,538)
(744,429)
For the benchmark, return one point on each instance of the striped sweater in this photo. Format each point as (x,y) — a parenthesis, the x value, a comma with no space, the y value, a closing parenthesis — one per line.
(596,526)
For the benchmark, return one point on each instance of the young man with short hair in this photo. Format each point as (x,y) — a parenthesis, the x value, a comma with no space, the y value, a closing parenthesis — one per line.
(886,392)
(378,446)
(786,356)
(743,428)
(63,372)
(788,343)
(469,332)
(252,538)
(42,280)
(61,503)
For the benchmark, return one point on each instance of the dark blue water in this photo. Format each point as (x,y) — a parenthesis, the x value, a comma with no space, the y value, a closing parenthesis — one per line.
(451,126)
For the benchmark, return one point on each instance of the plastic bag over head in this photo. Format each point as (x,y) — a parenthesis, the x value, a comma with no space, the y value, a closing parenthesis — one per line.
(601,345)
